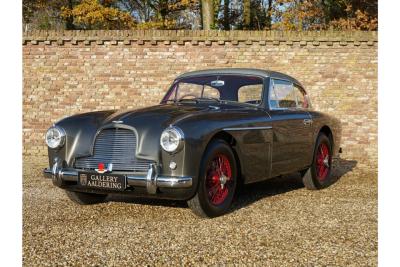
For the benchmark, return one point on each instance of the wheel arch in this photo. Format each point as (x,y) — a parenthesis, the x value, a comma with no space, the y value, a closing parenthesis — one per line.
(232,142)
(325,129)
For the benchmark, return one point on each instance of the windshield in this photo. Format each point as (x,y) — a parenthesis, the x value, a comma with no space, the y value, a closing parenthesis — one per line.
(242,89)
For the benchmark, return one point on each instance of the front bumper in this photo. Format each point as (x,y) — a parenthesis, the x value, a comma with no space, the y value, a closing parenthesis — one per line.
(151,180)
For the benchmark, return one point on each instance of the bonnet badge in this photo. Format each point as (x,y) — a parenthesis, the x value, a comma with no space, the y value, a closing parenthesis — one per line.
(100,168)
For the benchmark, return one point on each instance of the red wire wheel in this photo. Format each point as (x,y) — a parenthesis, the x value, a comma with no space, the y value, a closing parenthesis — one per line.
(323,162)
(219,181)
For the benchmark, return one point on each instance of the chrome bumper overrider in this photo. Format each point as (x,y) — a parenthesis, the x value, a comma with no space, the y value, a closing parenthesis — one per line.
(151,180)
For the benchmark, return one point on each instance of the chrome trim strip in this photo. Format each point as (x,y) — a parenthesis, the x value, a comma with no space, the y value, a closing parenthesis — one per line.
(117,145)
(271,85)
(174,182)
(69,175)
(151,180)
(214,107)
(247,128)
(136,180)
(110,126)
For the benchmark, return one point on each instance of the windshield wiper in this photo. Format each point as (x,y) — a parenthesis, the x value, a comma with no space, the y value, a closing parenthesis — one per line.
(209,98)
(189,99)
(198,99)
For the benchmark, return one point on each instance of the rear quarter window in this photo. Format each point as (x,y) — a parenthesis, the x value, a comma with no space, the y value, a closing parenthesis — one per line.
(302,101)
(282,95)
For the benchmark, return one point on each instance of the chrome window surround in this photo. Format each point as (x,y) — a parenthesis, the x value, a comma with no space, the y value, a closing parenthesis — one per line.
(263,79)
(271,87)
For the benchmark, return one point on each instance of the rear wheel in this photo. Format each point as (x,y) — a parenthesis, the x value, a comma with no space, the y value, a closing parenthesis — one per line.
(319,174)
(82,198)
(217,181)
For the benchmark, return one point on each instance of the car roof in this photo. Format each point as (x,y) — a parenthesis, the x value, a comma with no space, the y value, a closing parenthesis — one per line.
(241,71)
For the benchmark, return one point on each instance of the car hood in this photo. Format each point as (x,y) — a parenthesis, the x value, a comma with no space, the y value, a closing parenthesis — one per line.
(160,114)
(148,123)
(163,115)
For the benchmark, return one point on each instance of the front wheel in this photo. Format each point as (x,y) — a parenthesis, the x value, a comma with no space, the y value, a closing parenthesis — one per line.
(319,174)
(217,181)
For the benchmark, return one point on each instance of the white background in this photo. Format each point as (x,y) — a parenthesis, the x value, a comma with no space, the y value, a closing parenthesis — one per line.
(11,134)
(389,134)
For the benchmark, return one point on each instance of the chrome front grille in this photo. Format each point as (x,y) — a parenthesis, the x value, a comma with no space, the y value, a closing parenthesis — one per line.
(116,146)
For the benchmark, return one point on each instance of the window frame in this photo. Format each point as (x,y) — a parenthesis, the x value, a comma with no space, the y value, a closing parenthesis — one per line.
(264,93)
(306,98)
(270,88)
(203,87)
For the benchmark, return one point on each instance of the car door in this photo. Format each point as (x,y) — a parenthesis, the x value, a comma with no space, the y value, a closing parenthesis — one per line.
(292,127)
(256,139)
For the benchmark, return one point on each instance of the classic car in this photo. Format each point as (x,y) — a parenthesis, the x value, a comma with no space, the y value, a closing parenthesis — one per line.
(213,131)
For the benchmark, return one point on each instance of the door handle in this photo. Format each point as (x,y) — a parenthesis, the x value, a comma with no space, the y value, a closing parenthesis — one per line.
(307,122)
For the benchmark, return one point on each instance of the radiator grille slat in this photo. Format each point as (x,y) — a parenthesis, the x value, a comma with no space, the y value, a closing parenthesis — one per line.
(116,146)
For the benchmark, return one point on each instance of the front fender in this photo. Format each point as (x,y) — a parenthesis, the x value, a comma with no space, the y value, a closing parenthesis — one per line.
(200,130)
(78,139)
(320,120)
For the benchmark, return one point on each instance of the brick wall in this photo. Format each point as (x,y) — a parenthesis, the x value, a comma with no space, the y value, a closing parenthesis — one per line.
(71,72)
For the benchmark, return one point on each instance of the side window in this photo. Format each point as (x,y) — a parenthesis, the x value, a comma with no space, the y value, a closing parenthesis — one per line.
(251,94)
(282,95)
(301,97)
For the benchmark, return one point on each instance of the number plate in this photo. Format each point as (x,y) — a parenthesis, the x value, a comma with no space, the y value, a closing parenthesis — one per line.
(107,181)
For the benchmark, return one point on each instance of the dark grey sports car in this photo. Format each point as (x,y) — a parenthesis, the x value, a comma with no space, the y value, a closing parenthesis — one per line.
(212,131)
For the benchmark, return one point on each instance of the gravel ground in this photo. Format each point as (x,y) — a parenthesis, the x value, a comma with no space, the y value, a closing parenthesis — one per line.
(274,223)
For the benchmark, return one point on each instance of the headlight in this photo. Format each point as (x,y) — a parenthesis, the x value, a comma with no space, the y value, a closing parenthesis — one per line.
(55,137)
(172,139)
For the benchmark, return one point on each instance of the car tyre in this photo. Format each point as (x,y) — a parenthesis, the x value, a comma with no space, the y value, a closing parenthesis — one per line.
(82,198)
(217,181)
(318,176)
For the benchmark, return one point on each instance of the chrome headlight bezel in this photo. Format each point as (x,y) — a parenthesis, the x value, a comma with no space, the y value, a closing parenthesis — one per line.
(177,136)
(55,137)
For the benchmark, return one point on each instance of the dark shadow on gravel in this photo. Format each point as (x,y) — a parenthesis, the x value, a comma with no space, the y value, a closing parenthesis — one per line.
(251,193)
(147,201)
(341,167)
(248,194)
